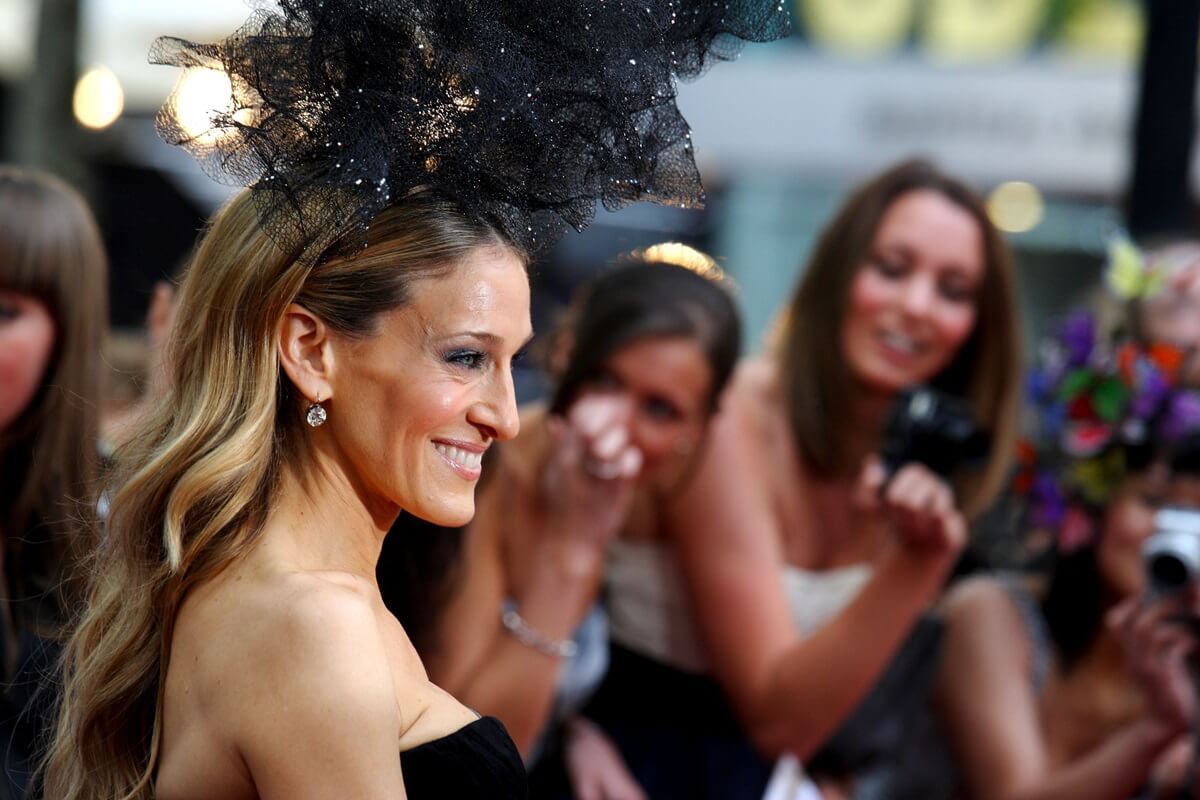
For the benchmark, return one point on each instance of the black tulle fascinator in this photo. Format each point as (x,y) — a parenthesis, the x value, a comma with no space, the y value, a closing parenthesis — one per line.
(524,112)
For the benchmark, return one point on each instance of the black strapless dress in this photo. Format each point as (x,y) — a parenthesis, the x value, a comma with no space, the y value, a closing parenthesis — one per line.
(478,760)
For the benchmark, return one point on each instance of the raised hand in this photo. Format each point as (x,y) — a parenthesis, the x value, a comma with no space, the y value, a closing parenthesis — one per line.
(918,506)
(593,468)
(1158,647)
(594,767)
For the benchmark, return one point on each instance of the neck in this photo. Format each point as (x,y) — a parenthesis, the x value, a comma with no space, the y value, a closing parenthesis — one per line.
(1105,655)
(870,413)
(324,520)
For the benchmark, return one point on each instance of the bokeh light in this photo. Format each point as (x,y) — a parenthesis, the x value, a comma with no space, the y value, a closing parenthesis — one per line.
(99,99)
(1016,207)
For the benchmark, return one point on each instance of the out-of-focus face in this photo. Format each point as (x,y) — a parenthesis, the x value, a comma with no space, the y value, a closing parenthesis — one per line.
(415,407)
(26,344)
(913,303)
(1129,520)
(665,382)
(1173,314)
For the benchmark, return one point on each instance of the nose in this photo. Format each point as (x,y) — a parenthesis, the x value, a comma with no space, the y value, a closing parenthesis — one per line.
(496,413)
(918,295)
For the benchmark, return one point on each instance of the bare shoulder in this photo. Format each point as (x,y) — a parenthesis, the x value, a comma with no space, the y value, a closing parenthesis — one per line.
(298,632)
(727,497)
(756,377)
(981,613)
(978,598)
(292,673)
(753,404)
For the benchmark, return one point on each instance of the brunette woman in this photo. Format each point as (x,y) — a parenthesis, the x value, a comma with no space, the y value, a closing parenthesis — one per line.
(53,316)
(791,568)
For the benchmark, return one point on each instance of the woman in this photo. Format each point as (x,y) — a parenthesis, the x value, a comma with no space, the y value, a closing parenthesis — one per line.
(53,311)
(643,362)
(1085,694)
(802,565)
(340,355)
(359,394)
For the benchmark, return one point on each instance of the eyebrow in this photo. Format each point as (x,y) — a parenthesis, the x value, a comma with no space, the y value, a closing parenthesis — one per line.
(486,336)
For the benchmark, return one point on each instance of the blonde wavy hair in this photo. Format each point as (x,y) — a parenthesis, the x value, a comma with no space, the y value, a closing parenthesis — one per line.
(194,488)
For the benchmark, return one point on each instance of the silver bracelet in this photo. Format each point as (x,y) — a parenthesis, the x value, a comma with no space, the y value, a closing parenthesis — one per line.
(530,636)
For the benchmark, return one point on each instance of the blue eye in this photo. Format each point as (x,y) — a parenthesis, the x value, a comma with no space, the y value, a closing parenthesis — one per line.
(469,359)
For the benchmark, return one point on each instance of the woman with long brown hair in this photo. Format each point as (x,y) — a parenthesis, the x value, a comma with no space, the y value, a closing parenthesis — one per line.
(802,565)
(53,315)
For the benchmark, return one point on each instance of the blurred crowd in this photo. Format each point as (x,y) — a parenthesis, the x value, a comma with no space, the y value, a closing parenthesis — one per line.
(892,556)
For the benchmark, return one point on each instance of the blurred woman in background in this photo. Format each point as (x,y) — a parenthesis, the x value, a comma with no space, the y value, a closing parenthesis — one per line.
(640,365)
(787,573)
(53,317)
(1084,692)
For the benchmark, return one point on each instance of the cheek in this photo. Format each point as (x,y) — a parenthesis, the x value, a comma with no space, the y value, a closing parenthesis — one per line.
(955,324)
(868,294)
(657,440)
(1120,550)
(419,415)
(24,356)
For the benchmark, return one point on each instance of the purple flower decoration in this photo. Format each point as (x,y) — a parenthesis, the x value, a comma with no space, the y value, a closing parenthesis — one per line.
(1150,390)
(1047,501)
(1078,336)
(1182,416)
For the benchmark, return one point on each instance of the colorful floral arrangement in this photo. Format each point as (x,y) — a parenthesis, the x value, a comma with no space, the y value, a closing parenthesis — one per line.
(1101,406)
(1129,274)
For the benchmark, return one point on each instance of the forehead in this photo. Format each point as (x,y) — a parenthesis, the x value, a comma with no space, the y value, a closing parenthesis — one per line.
(928,220)
(489,283)
(670,364)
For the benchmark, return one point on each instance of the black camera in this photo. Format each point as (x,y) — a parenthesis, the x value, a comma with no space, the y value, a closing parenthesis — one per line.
(1172,552)
(933,428)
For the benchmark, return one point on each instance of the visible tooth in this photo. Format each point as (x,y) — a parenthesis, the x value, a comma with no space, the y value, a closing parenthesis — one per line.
(458,456)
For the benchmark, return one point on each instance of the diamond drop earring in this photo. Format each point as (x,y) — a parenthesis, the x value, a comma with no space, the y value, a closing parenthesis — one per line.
(316,414)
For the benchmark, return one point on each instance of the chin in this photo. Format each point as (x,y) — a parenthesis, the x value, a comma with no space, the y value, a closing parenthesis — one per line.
(450,514)
(884,382)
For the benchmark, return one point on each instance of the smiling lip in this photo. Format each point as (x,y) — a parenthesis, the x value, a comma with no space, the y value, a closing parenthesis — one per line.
(465,458)
(899,348)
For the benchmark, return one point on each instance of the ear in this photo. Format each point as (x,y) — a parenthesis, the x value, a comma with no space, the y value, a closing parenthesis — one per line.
(306,354)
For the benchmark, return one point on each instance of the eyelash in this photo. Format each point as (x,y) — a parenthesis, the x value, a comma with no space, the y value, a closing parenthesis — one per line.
(887,268)
(467,359)
(893,271)
(474,359)
(662,410)
(8,312)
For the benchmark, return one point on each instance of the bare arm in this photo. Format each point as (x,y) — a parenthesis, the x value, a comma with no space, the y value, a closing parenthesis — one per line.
(987,700)
(791,692)
(480,662)
(315,714)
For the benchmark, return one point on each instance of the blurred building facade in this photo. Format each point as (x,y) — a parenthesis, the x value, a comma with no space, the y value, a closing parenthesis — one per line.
(1032,101)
